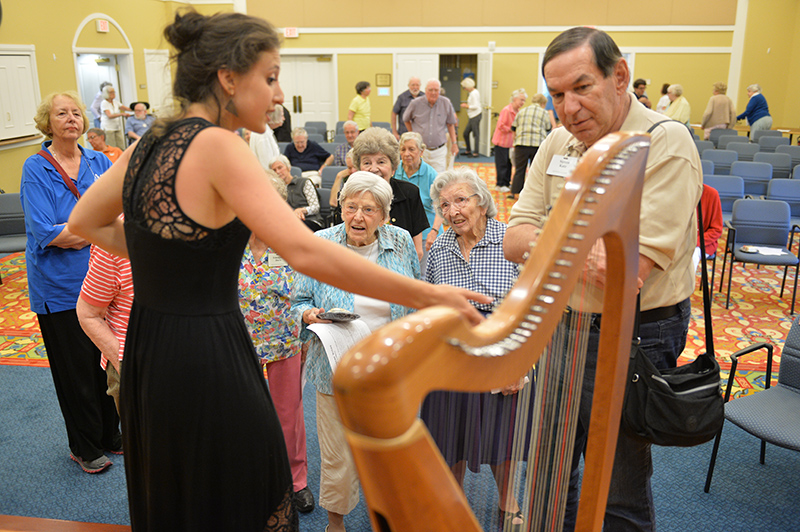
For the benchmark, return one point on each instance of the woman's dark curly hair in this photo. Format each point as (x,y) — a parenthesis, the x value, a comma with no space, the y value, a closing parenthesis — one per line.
(205,44)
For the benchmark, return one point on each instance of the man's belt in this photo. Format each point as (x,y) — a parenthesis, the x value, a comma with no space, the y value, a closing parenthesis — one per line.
(658,314)
(648,316)
(437,147)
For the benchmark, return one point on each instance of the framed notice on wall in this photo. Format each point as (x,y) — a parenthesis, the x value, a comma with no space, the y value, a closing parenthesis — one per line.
(383,80)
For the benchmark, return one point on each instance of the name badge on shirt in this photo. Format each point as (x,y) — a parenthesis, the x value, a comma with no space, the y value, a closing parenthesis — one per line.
(276,261)
(562,165)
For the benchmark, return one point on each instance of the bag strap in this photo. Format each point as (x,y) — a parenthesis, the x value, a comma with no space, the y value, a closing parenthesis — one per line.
(64,176)
(704,282)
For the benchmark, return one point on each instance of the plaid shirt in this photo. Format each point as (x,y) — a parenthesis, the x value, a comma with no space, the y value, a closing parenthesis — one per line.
(487,271)
(530,126)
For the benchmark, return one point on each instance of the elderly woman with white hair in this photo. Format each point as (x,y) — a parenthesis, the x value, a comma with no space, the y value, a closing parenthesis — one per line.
(365,200)
(417,171)
(679,108)
(503,139)
(474,113)
(757,111)
(377,151)
(111,116)
(302,195)
(475,428)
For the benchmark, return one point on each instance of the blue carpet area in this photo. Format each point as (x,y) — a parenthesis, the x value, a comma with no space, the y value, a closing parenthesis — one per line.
(38,479)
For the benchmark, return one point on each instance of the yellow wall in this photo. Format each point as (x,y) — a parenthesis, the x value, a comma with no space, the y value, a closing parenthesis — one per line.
(770,58)
(382,13)
(51,27)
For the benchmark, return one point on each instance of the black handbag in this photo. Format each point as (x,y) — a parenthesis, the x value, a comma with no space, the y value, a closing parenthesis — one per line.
(680,406)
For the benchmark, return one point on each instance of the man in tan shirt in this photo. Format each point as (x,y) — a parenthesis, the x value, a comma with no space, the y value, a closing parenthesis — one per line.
(588,79)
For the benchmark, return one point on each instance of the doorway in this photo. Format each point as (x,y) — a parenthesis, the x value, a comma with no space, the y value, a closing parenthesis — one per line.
(94,69)
(309,89)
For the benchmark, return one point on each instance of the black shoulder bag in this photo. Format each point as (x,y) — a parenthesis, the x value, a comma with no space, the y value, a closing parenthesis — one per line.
(680,406)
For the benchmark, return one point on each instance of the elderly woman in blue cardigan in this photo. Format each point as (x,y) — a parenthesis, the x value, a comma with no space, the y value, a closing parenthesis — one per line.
(365,200)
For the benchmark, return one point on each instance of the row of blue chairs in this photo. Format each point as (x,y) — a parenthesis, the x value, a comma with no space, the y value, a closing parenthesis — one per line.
(329,146)
(321,128)
(724,160)
(746,151)
(717,135)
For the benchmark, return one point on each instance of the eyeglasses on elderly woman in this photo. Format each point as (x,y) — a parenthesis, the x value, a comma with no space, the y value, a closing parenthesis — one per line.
(458,203)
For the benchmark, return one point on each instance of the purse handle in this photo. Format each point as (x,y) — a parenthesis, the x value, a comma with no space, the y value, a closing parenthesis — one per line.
(64,175)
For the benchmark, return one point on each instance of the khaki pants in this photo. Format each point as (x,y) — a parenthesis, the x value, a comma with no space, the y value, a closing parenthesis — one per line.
(338,484)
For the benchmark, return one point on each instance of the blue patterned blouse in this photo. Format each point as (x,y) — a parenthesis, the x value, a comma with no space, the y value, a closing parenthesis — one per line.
(396,253)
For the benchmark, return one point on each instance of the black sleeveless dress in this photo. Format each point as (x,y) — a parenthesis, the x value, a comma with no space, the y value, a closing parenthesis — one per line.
(203,446)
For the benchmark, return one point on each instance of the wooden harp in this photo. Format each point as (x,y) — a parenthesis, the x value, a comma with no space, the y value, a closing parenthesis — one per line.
(383,379)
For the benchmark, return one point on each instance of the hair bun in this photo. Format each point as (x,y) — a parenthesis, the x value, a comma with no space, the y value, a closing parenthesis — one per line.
(187,29)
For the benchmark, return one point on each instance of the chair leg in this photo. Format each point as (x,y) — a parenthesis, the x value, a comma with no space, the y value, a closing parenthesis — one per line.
(713,270)
(763,451)
(794,292)
(722,272)
(713,461)
(730,276)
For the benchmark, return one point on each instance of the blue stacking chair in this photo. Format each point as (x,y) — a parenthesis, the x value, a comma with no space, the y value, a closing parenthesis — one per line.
(296,171)
(339,138)
(768,144)
(325,205)
(793,151)
(756,135)
(318,126)
(727,140)
(703,145)
(340,126)
(716,134)
(760,223)
(787,190)
(708,167)
(330,147)
(744,150)
(756,176)
(773,414)
(385,125)
(722,159)
(730,188)
(316,137)
(781,163)
(329,173)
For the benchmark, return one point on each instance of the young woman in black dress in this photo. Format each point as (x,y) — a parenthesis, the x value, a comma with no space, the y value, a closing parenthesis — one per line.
(203,446)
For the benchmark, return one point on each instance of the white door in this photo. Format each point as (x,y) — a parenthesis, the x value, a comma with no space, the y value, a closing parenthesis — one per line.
(422,66)
(484,86)
(159,81)
(94,69)
(309,89)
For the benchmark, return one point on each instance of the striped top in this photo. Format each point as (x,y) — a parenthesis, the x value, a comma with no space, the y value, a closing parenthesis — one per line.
(109,284)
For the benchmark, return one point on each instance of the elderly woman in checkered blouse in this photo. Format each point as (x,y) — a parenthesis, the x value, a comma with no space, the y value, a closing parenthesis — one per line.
(474,428)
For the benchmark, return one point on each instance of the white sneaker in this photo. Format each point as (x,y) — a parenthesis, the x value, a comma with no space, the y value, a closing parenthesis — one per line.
(504,189)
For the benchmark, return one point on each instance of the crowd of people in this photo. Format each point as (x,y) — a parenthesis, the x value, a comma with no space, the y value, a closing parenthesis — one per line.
(203,271)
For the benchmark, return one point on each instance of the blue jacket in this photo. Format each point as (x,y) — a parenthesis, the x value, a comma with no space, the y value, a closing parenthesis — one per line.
(55,274)
(756,108)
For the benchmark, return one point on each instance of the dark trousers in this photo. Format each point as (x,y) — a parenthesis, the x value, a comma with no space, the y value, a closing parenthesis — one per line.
(473,126)
(522,156)
(89,413)
(630,505)
(502,164)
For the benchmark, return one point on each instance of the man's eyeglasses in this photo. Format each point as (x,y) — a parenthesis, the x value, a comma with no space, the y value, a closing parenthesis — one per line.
(458,203)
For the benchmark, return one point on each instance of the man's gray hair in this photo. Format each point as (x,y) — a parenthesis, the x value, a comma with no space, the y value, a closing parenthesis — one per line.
(376,140)
(433,80)
(97,131)
(349,123)
(463,174)
(416,137)
(755,87)
(519,92)
(360,182)
(299,131)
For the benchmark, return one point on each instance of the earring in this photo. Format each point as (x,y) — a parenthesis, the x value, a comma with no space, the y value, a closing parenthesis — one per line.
(231,107)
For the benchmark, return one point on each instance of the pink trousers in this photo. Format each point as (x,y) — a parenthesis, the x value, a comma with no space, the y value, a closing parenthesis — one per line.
(287,395)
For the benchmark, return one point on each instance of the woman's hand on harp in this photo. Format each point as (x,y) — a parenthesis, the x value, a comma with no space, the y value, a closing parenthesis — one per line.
(459,299)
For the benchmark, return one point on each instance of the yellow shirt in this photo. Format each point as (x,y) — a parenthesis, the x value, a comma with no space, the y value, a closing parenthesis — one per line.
(361,110)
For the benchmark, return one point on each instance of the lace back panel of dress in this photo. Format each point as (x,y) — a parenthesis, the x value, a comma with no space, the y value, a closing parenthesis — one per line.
(149,189)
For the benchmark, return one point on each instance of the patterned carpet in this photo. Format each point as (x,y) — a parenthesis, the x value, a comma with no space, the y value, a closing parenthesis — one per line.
(756,312)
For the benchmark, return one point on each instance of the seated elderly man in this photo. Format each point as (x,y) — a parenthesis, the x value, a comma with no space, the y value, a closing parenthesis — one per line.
(350,129)
(97,138)
(307,155)
(138,124)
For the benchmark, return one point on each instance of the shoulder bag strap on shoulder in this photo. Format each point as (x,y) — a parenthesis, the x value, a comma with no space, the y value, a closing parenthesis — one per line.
(64,176)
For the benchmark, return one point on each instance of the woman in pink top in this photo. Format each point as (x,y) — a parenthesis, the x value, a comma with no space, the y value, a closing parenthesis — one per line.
(503,139)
